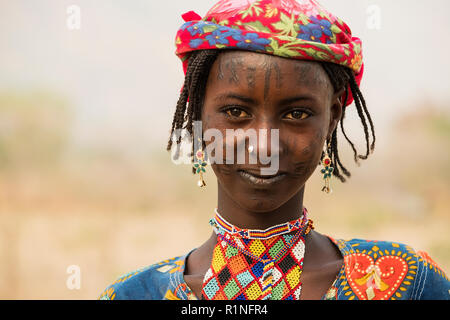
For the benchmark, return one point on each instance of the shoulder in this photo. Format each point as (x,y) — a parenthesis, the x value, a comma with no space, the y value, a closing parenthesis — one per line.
(391,270)
(147,283)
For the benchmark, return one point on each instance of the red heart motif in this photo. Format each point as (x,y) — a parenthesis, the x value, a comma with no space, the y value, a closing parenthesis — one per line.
(371,280)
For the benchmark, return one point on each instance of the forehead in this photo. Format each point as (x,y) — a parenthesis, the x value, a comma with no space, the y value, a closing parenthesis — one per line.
(238,67)
(258,58)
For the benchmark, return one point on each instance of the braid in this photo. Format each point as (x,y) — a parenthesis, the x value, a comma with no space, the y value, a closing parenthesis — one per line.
(180,110)
(342,77)
(362,102)
(199,64)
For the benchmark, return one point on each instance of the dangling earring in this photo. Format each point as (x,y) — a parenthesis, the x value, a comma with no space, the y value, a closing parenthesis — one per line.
(327,170)
(200,166)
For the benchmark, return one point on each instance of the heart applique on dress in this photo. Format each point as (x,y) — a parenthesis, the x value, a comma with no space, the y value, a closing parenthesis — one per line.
(372,280)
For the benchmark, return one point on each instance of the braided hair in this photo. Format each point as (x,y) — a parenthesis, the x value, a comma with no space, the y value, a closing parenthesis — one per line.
(199,65)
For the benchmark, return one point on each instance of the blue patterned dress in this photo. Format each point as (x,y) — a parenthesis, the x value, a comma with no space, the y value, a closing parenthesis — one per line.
(372,270)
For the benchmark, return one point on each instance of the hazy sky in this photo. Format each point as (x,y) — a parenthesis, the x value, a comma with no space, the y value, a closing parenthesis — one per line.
(121,74)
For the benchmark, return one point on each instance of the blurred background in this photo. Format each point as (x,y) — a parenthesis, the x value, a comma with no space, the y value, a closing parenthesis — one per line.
(85,113)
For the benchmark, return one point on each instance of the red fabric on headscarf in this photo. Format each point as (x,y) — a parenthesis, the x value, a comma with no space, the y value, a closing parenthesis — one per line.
(295,29)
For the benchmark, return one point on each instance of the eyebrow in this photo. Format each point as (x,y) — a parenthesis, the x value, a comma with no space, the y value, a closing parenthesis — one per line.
(245,99)
(304,97)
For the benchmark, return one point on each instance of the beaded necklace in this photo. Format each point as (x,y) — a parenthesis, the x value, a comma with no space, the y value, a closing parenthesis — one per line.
(256,264)
(219,222)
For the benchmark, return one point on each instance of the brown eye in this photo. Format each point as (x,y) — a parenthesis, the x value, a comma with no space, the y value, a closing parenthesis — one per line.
(297,115)
(237,113)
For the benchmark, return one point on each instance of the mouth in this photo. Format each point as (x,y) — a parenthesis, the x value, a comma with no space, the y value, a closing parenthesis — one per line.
(260,180)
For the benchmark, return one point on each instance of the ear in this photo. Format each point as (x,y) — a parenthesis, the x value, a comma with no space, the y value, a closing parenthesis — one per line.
(336,111)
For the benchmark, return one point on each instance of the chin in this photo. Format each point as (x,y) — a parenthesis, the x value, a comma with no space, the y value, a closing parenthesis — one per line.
(258,197)
(261,204)
(261,200)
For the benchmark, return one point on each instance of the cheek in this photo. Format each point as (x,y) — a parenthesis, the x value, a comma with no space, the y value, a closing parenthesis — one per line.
(319,139)
(215,135)
(222,170)
(305,146)
(304,153)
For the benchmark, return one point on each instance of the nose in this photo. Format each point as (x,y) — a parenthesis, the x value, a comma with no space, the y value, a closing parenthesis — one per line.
(268,138)
(267,148)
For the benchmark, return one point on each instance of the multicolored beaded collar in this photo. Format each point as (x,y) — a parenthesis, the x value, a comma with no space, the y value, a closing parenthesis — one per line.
(252,264)
(220,224)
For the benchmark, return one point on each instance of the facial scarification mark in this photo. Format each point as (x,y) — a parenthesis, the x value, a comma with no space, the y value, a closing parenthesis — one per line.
(277,75)
(230,64)
(220,70)
(225,169)
(233,64)
(307,74)
(267,67)
(302,71)
(251,77)
(307,155)
(268,64)
(306,150)
(300,168)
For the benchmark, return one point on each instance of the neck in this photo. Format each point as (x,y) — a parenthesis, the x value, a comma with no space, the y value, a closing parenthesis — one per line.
(251,218)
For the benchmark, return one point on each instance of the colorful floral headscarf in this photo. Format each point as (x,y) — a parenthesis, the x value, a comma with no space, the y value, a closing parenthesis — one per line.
(293,29)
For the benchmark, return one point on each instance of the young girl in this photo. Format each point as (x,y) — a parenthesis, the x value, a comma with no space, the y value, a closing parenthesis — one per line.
(282,71)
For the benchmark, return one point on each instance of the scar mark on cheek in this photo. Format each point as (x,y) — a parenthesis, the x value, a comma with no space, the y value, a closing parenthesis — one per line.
(306,151)
(224,169)
(221,169)
(300,168)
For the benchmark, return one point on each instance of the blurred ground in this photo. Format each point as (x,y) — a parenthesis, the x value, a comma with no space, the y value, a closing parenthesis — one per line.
(110,212)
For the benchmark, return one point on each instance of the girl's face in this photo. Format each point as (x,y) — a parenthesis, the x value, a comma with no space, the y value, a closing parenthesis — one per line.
(247,90)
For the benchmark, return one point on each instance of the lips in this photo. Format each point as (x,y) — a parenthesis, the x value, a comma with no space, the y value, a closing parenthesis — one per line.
(255,178)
